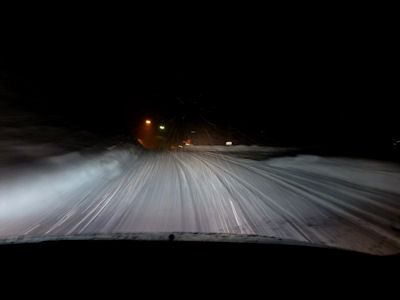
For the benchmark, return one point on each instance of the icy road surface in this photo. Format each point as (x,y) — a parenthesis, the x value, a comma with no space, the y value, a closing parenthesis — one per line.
(346,203)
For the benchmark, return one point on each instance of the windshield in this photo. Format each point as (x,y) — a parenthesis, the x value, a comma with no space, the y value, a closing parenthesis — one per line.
(288,134)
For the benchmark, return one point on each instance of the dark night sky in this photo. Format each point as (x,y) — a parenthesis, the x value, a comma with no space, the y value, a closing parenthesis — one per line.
(310,81)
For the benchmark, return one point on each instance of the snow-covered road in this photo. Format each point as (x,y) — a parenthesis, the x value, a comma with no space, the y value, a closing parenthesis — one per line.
(341,202)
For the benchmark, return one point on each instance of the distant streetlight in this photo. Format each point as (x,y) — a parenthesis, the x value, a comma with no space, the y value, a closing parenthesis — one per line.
(228,143)
(148,122)
(162,127)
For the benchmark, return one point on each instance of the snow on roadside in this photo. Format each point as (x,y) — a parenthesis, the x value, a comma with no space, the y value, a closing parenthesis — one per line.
(369,173)
(33,188)
(235,148)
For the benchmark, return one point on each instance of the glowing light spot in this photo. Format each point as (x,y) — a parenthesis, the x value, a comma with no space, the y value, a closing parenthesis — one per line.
(228,143)
(148,122)
(162,127)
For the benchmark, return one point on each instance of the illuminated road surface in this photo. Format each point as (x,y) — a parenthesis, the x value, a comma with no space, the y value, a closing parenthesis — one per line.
(347,203)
